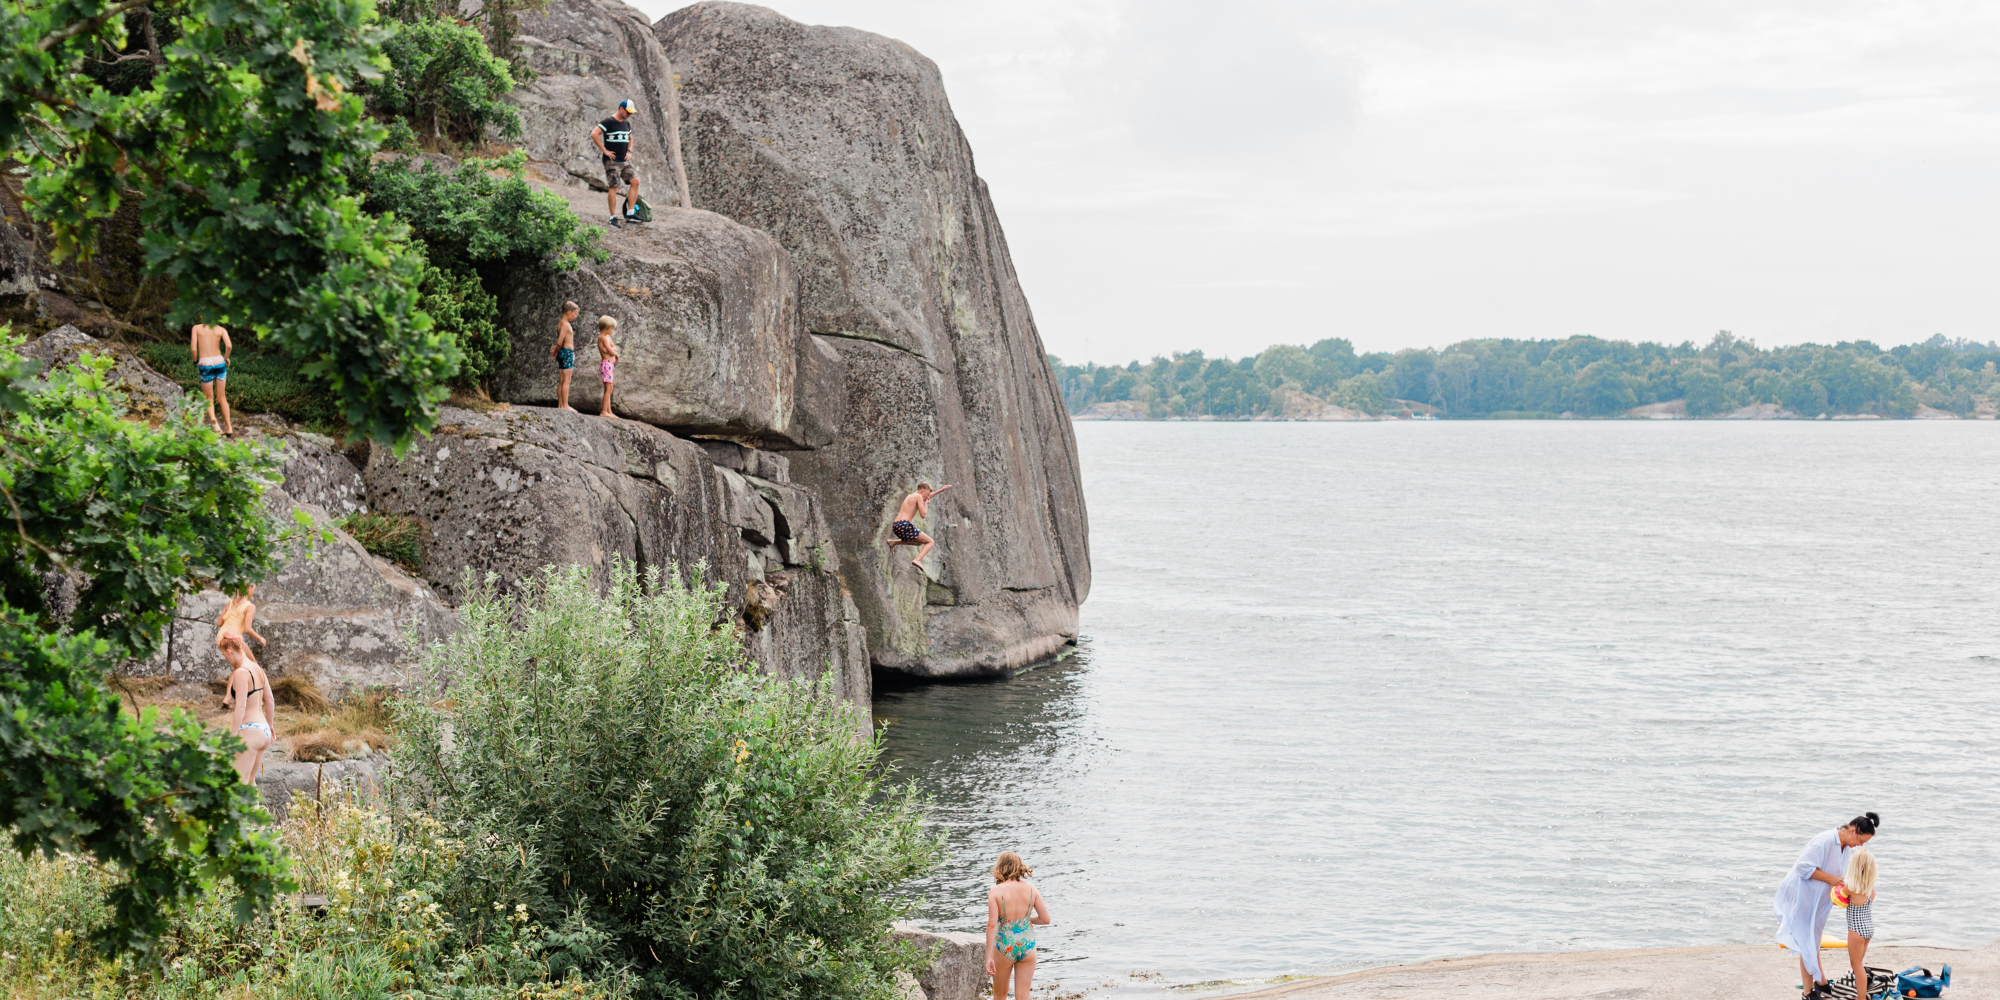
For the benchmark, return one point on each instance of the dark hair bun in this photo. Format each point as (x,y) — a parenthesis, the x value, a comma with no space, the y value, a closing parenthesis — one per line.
(1865,824)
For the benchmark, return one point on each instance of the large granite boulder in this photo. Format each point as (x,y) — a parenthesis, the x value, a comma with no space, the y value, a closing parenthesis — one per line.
(149,395)
(317,473)
(332,612)
(842,145)
(958,962)
(281,780)
(708,333)
(509,492)
(587,56)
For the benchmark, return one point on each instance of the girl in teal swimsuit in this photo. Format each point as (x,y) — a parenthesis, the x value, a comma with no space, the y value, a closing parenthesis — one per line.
(1013,909)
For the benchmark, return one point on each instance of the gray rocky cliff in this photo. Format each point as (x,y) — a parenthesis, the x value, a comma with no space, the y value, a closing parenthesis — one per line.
(332,613)
(509,492)
(587,56)
(708,329)
(842,146)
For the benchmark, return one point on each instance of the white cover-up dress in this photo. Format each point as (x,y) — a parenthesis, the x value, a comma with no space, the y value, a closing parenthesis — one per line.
(1803,904)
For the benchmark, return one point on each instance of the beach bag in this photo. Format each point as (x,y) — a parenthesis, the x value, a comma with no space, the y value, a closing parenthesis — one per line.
(1881,986)
(643,210)
(1918,982)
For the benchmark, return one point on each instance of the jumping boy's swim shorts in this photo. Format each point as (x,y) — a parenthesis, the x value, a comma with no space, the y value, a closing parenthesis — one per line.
(213,373)
(905,531)
(565,358)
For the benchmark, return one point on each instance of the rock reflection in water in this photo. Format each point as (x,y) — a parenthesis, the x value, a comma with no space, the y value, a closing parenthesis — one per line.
(984,750)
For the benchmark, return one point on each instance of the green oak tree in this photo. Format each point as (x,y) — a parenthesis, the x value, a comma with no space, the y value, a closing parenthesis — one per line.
(108,522)
(239,153)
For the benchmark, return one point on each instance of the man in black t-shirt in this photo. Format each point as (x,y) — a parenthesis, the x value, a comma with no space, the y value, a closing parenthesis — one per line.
(613,137)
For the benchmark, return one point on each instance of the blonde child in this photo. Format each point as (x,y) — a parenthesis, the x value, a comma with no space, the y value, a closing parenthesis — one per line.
(1859,887)
(1013,908)
(608,353)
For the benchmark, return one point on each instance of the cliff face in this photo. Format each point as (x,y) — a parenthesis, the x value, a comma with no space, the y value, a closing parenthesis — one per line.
(511,492)
(837,321)
(708,329)
(587,56)
(842,146)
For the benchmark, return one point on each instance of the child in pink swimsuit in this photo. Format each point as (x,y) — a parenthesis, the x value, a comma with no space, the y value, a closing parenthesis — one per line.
(609,352)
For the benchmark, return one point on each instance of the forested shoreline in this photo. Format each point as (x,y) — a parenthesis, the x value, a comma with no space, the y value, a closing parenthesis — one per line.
(1580,376)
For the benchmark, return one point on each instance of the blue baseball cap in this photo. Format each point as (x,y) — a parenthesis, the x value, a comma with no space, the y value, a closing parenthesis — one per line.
(629,106)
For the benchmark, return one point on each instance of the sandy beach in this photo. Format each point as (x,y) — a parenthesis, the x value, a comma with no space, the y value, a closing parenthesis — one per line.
(1638,974)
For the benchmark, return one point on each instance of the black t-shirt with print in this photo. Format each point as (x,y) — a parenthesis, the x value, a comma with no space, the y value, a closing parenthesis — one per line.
(617,136)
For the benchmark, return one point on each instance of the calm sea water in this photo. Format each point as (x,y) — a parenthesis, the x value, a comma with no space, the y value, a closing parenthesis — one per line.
(1352,694)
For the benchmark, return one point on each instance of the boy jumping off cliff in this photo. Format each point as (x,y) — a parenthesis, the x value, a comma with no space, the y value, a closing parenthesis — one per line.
(904,531)
(211,349)
(613,137)
(564,351)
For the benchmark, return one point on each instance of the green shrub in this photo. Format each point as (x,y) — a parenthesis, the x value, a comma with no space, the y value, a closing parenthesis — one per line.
(627,769)
(481,210)
(260,381)
(463,309)
(443,87)
(137,517)
(391,536)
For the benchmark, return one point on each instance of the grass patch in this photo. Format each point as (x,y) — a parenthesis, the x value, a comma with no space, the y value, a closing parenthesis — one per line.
(381,935)
(391,536)
(318,728)
(260,381)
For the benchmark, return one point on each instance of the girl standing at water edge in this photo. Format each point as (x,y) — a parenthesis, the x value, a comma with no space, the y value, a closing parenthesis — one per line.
(1013,908)
(1859,888)
(1804,898)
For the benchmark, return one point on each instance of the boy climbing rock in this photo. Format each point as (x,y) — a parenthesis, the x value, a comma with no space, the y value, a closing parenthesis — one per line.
(211,349)
(564,351)
(904,531)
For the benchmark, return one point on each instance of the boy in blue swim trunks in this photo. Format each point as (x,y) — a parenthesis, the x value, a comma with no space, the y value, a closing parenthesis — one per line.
(211,349)
(904,531)
(564,351)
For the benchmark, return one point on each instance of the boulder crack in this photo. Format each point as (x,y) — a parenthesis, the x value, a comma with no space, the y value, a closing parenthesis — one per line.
(882,343)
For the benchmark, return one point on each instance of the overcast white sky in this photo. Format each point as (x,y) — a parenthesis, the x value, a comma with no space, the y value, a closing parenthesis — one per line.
(1176,175)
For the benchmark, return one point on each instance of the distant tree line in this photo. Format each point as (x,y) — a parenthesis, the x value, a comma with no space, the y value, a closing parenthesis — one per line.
(1584,376)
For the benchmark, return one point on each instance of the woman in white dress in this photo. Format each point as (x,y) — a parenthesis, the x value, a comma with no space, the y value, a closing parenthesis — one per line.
(1804,896)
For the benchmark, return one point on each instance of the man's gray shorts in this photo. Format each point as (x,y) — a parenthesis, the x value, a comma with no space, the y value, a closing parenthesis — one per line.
(617,172)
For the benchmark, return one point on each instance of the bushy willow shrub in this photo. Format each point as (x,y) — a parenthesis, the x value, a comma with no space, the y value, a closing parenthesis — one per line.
(623,768)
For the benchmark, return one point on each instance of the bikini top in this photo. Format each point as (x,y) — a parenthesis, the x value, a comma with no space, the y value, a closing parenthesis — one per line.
(253,690)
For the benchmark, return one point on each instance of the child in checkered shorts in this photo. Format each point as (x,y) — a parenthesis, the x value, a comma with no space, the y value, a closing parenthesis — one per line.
(1859,886)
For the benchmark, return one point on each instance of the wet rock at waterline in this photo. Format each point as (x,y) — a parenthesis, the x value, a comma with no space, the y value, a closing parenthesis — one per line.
(842,146)
(957,969)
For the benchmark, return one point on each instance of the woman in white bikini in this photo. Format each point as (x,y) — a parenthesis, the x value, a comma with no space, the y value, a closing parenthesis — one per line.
(252,707)
(249,687)
(1013,908)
